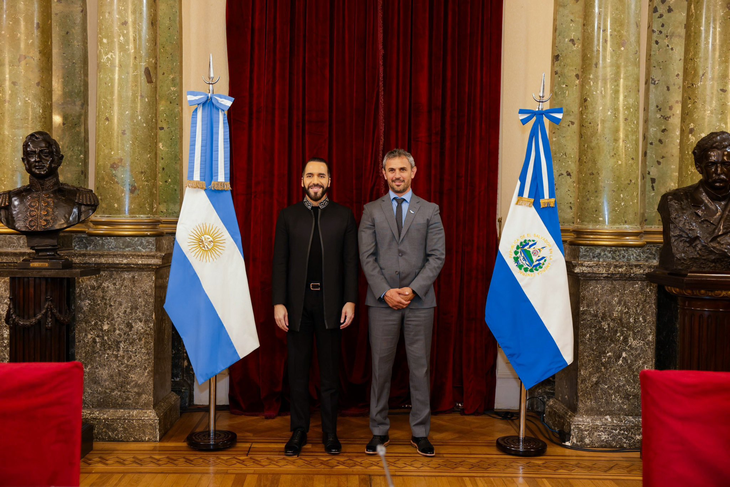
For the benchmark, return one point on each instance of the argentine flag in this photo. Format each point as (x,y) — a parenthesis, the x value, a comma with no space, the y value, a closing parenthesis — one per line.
(208,298)
(528,306)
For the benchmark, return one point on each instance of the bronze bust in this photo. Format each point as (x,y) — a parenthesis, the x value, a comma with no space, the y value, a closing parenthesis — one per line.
(45,206)
(696,225)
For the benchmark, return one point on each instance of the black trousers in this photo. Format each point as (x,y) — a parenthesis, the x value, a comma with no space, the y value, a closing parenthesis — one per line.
(300,345)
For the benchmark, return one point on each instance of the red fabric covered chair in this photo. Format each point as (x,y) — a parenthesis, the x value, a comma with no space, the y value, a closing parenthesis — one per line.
(40,421)
(685,422)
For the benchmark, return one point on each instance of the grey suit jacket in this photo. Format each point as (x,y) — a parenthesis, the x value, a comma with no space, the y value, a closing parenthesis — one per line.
(414,260)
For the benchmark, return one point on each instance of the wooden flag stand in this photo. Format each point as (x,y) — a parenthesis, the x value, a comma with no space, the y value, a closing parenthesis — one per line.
(522,446)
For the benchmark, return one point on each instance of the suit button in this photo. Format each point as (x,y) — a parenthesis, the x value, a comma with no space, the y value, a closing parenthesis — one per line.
(396,272)
(400,254)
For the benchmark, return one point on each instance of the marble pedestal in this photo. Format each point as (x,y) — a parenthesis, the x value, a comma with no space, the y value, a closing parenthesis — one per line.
(123,336)
(597,398)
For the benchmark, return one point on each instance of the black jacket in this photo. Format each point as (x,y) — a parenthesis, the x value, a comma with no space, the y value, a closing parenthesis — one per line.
(338,234)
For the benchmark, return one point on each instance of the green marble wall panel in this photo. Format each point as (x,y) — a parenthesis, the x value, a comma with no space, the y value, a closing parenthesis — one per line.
(71,89)
(609,167)
(25,81)
(126,126)
(706,88)
(169,103)
(663,101)
(565,138)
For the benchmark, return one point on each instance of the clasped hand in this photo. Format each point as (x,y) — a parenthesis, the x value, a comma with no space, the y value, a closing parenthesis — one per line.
(399,298)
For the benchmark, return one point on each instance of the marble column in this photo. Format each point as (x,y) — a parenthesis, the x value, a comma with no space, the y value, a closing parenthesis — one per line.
(565,139)
(25,82)
(706,95)
(663,95)
(126,127)
(597,398)
(608,201)
(71,89)
(169,111)
(123,333)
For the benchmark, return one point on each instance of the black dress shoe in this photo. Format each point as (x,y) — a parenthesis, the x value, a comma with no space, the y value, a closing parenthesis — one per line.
(294,446)
(331,444)
(423,446)
(372,447)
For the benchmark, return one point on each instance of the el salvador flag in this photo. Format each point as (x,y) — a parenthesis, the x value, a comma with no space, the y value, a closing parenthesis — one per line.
(208,297)
(528,305)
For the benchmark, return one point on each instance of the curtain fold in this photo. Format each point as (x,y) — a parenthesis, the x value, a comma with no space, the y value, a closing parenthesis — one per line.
(338,79)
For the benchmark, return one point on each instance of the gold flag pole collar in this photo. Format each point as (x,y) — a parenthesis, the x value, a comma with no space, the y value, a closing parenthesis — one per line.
(541,99)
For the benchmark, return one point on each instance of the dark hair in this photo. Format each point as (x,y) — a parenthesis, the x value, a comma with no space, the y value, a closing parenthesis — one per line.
(709,141)
(41,135)
(395,153)
(316,159)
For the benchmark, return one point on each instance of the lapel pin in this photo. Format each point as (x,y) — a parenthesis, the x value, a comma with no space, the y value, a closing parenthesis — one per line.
(411,211)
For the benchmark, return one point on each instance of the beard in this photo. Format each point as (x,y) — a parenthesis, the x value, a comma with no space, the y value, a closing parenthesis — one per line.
(403,190)
(313,196)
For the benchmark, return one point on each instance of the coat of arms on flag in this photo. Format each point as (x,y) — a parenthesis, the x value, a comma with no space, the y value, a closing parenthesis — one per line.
(528,306)
(208,297)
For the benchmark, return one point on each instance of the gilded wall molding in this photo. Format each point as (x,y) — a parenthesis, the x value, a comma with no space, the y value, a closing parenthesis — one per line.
(125,227)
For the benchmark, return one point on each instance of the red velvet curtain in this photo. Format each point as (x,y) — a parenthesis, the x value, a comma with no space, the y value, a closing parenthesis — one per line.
(348,81)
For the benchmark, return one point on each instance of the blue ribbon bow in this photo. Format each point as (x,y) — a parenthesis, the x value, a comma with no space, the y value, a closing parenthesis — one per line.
(209,161)
(538,180)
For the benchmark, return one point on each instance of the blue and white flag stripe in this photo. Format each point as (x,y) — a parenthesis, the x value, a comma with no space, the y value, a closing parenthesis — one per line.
(202,158)
(208,298)
(528,306)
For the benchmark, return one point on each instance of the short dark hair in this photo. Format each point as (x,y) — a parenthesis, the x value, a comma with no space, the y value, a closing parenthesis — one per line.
(316,159)
(708,142)
(41,135)
(395,153)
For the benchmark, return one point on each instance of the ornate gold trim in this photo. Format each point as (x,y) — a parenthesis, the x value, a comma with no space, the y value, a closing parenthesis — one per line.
(168,225)
(653,236)
(125,227)
(567,233)
(703,293)
(522,201)
(608,238)
(7,231)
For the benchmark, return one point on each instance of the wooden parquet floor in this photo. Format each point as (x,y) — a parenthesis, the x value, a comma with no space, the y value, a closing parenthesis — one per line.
(466,455)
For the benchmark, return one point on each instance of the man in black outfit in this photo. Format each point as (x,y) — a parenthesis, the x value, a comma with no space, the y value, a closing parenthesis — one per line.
(314,288)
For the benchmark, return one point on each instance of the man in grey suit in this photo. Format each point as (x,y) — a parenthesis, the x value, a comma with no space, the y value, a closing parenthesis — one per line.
(402,250)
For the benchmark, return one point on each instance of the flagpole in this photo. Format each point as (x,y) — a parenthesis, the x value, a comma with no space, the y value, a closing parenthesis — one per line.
(211,439)
(521,445)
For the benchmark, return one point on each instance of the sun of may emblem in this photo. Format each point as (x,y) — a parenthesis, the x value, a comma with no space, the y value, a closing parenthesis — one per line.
(206,242)
(531,255)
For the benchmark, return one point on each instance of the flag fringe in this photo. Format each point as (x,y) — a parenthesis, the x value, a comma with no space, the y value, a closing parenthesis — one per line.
(221,186)
(196,184)
(545,203)
(522,201)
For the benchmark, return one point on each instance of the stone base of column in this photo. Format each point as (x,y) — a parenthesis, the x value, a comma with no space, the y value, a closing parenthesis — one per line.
(122,333)
(598,398)
(610,431)
(134,424)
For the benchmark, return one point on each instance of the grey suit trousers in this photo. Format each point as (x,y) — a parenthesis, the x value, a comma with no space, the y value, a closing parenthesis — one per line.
(384,331)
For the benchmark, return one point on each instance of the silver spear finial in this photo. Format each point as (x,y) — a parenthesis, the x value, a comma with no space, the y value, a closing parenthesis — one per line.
(541,99)
(211,77)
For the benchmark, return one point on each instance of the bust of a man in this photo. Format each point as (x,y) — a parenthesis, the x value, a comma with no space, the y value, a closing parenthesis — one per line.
(45,204)
(695,220)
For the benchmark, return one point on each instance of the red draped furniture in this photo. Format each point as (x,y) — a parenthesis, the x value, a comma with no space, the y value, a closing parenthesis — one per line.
(40,421)
(685,421)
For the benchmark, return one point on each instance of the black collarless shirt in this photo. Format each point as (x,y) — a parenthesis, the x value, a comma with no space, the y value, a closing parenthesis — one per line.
(314,267)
